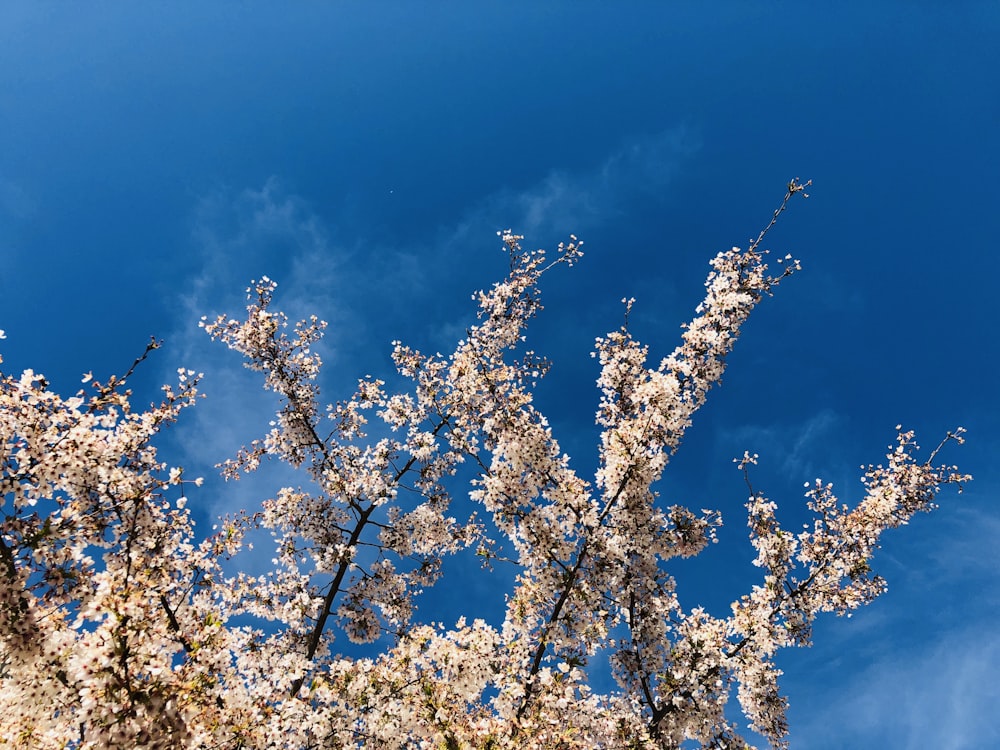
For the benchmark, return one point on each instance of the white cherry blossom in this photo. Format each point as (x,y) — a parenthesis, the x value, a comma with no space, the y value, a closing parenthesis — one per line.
(122,627)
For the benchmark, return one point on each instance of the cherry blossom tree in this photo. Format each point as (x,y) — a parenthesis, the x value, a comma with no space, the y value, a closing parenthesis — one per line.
(121,627)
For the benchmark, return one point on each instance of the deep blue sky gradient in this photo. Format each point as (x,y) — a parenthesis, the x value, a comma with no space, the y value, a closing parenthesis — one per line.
(154,159)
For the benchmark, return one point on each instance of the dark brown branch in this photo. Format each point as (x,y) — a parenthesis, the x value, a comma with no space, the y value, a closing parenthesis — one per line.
(335,586)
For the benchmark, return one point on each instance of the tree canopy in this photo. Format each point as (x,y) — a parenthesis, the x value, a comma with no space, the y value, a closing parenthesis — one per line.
(122,626)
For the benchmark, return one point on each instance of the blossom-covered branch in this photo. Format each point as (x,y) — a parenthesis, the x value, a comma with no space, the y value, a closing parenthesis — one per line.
(121,627)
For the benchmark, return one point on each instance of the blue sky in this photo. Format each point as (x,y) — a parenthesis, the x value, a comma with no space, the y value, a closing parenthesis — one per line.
(154,160)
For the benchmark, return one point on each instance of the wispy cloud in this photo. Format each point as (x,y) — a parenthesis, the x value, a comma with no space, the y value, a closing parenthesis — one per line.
(15,201)
(918,668)
(17,206)
(362,289)
(256,232)
(238,237)
(794,449)
(944,696)
(568,200)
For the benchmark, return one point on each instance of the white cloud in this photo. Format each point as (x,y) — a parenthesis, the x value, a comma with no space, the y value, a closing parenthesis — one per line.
(567,201)
(268,231)
(15,201)
(361,289)
(944,696)
(917,669)
(239,237)
(793,448)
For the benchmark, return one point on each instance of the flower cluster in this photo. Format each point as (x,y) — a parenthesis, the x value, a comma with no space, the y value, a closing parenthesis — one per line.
(120,628)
